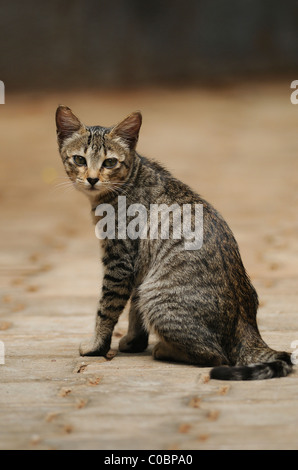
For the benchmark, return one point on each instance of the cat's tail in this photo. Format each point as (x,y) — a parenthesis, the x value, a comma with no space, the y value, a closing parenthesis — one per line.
(281,366)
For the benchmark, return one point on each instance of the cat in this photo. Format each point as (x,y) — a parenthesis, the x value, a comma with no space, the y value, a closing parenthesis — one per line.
(200,303)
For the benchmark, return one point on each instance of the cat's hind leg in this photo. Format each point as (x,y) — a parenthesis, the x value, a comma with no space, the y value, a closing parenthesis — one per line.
(136,339)
(171,352)
(165,351)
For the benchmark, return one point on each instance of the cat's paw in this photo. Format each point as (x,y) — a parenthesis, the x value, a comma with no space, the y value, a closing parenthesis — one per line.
(91,349)
(131,344)
(159,351)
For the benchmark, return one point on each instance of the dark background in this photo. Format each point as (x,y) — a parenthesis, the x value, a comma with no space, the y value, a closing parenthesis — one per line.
(77,44)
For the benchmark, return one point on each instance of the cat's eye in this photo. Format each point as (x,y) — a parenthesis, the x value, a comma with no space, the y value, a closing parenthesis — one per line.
(109,162)
(79,160)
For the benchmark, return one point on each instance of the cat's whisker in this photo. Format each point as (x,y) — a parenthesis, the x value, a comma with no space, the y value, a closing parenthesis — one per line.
(69,190)
(64,183)
(62,186)
(60,179)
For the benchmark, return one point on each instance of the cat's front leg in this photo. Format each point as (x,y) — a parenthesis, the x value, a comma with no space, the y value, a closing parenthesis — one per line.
(115,293)
(101,342)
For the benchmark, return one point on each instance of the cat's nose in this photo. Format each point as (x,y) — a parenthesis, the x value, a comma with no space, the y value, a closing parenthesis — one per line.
(92,181)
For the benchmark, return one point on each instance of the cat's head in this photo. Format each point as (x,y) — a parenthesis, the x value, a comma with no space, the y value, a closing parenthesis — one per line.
(97,159)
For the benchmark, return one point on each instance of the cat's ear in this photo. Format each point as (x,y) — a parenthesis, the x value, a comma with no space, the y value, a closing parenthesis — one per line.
(128,129)
(66,122)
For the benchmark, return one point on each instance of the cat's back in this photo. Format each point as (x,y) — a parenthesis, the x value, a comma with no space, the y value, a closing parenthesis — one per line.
(215,266)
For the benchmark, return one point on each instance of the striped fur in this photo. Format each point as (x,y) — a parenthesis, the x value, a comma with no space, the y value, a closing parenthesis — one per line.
(200,303)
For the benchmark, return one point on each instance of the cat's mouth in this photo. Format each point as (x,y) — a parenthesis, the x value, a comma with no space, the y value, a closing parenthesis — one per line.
(92,188)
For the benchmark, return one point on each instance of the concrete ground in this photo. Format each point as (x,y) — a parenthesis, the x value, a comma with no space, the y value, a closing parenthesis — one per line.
(235,146)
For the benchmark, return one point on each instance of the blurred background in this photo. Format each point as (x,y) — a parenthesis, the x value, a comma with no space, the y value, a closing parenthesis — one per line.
(70,43)
(212,79)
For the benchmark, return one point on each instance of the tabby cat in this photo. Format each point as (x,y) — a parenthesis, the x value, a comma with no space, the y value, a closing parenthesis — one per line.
(200,303)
